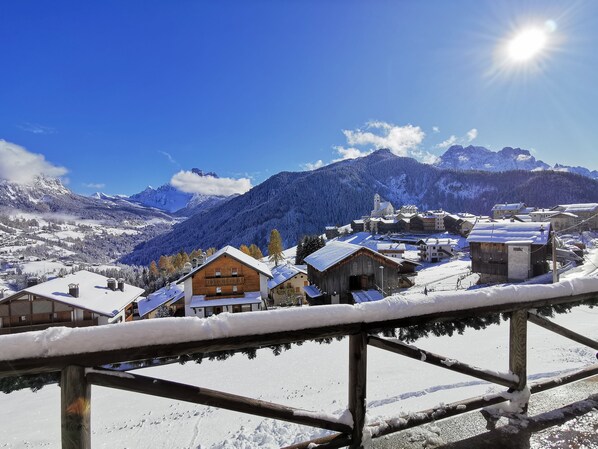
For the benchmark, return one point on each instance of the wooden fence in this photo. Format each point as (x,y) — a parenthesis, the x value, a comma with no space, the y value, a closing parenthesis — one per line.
(80,371)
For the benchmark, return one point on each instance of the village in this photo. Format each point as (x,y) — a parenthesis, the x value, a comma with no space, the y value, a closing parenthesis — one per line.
(386,252)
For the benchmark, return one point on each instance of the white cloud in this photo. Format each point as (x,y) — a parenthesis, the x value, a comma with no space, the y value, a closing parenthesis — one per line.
(435,129)
(93,185)
(472,134)
(447,143)
(349,153)
(21,166)
(189,182)
(169,157)
(400,140)
(313,165)
(36,128)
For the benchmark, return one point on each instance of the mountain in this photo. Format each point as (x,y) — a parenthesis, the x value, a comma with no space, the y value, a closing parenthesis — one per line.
(172,200)
(472,157)
(48,195)
(299,203)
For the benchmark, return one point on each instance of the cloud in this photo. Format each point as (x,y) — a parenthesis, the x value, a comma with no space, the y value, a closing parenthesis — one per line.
(189,182)
(435,129)
(36,128)
(472,134)
(400,140)
(169,157)
(350,153)
(93,185)
(448,142)
(21,166)
(309,166)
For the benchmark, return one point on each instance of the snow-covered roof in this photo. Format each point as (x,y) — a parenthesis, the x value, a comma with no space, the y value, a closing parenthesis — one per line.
(522,217)
(312,291)
(506,231)
(390,246)
(360,296)
(508,206)
(235,254)
(283,273)
(247,298)
(170,293)
(436,241)
(331,254)
(94,294)
(576,208)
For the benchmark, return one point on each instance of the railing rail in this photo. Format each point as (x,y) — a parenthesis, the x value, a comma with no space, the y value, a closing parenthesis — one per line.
(79,371)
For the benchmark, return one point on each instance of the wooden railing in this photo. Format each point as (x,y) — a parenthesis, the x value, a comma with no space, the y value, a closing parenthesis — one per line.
(80,371)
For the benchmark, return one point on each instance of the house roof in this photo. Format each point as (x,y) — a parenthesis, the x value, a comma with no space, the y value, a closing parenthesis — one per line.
(577,208)
(390,246)
(436,241)
(170,293)
(312,291)
(335,252)
(283,273)
(536,233)
(94,294)
(247,298)
(235,254)
(360,296)
(508,206)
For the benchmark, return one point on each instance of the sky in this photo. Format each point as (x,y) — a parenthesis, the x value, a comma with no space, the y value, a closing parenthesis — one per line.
(113,96)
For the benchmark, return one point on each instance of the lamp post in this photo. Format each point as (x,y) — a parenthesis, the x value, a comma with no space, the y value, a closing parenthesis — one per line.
(382,278)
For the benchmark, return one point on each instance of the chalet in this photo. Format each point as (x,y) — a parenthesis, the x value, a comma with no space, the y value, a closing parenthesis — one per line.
(587,214)
(286,286)
(434,250)
(391,249)
(564,220)
(507,210)
(228,281)
(542,214)
(339,269)
(76,300)
(171,296)
(509,251)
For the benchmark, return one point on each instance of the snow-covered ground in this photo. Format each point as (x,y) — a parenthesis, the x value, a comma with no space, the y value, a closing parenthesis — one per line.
(312,376)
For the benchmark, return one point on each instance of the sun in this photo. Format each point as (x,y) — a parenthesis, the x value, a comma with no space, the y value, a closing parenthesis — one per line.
(527,44)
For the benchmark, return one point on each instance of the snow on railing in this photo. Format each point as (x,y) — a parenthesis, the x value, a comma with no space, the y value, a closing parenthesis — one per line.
(61,341)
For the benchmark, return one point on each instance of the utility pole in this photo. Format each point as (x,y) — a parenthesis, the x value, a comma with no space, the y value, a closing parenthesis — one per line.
(555,273)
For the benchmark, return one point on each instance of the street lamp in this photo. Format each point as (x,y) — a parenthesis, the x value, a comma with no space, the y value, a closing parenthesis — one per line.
(382,278)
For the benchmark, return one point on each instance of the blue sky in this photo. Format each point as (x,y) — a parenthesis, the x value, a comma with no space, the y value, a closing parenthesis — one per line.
(116,95)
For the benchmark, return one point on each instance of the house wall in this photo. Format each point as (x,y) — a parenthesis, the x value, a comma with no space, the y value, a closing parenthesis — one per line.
(292,288)
(492,260)
(337,278)
(519,259)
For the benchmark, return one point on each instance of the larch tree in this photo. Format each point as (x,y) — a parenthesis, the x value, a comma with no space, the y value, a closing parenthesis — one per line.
(245,249)
(255,251)
(275,247)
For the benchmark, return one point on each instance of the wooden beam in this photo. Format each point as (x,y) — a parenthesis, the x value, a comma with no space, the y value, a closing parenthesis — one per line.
(328,442)
(358,345)
(36,365)
(204,396)
(434,359)
(563,380)
(553,327)
(518,347)
(75,406)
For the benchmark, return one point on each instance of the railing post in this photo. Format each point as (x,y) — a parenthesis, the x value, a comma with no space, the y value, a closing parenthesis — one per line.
(358,344)
(518,348)
(75,404)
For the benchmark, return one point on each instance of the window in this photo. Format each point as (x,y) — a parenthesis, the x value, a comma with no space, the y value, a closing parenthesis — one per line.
(217,272)
(218,290)
(234,272)
(234,289)
(23,318)
(296,289)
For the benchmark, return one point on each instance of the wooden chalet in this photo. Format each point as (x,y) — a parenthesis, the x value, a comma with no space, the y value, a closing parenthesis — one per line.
(77,300)
(340,269)
(228,281)
(509,251)
(171,296)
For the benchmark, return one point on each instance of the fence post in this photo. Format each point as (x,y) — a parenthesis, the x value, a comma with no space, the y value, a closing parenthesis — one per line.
(518,348)
(358,344)
(75,404)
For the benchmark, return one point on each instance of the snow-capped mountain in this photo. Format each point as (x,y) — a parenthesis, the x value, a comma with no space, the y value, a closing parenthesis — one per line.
(172,200)
(300,203)
(472,157)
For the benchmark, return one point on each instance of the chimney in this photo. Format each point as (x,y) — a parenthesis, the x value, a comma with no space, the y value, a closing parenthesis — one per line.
(74,290)
(32,280)
(187,268)
(111,284)
(194,262)
(201,258)
(1,293)
(121,284)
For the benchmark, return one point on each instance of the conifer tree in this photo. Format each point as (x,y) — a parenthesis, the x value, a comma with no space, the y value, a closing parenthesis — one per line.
(245,249)
(275,247)
(153,270)
(255,251)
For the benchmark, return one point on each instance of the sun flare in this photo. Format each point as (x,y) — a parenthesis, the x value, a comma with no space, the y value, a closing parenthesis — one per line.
(527,44)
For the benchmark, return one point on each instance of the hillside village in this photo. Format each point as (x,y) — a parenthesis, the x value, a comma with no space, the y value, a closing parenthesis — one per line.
(389,250)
